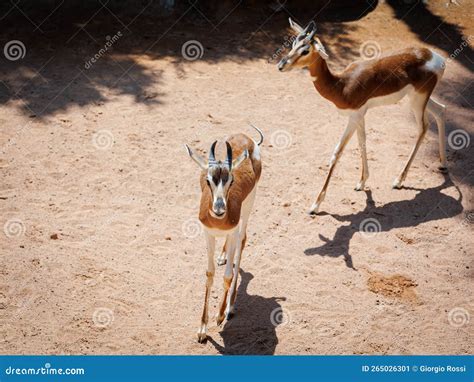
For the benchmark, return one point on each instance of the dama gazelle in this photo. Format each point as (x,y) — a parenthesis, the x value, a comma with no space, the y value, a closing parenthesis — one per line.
(366,84)
(228,193)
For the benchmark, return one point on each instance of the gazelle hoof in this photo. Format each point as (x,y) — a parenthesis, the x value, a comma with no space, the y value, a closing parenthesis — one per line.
(202,334)
(314,209)
(360,186)
(229,313)
(397,184)
(221,260)
(443,169)
(202,337)
(220,319)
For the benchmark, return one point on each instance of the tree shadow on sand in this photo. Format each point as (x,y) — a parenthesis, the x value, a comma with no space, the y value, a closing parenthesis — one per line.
(434,29)
(428,205)
(81,53)
(252,330)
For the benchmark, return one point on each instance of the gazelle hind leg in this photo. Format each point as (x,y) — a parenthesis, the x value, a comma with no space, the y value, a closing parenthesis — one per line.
(438,111)
(230,251)
(211,244)
(233,294)
(241,239)
(346,136)
(233,288)
(363,154)
(419,101)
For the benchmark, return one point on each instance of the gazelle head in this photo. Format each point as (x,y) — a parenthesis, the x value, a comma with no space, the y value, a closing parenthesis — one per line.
(219,176)
(304,45)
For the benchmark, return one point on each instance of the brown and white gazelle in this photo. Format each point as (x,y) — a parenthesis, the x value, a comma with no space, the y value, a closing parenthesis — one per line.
(228,193)
(366,84)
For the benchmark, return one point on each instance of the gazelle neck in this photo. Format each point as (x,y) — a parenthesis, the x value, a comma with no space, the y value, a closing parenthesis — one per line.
(320,71)
(325,82)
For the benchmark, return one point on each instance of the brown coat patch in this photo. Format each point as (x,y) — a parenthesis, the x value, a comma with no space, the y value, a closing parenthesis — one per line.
(363,80)
(245,179)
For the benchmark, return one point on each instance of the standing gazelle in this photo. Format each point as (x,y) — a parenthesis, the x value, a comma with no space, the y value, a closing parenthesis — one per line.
(228,192)
(366,84)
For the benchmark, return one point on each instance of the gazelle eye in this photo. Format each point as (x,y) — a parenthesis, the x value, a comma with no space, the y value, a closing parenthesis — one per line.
(208,183)
(304,52)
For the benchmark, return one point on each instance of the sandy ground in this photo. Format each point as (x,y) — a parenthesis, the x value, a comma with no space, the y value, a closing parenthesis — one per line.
(102,251)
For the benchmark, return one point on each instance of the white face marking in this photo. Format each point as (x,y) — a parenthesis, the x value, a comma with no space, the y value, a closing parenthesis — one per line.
(301,47)
(298,48)
(219,194)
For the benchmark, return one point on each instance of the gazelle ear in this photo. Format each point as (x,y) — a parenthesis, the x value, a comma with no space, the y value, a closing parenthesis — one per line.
(239,160)
(197,158)
(296,27)
(320,48)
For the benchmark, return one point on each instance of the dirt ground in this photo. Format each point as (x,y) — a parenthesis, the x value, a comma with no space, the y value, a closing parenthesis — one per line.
(101,250)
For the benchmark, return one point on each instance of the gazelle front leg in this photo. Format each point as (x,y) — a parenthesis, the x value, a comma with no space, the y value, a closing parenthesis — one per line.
(221,259)
(363,154)
(211,245)
(351,126)
(229,253)
(233,288)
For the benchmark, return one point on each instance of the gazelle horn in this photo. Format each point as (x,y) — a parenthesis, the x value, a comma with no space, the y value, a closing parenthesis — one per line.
(212,155)
(229,155)
(311,29)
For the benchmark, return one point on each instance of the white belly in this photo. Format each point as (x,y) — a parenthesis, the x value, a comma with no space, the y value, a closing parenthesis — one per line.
(389,99)
(219,232)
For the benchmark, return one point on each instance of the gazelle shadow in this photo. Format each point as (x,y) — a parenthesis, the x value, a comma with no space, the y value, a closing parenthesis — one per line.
(252,330)
(428,205)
